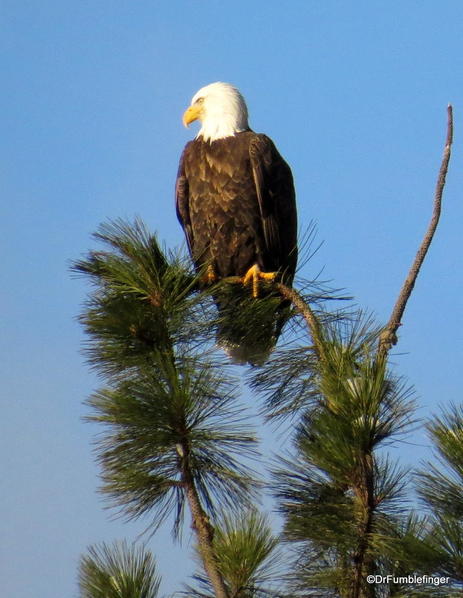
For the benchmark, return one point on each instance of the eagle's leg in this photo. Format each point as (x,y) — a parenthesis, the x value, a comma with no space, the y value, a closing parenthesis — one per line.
(209,277)
(254,275)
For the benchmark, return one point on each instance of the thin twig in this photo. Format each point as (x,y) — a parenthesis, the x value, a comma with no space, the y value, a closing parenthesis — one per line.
(304,309)
(388,336)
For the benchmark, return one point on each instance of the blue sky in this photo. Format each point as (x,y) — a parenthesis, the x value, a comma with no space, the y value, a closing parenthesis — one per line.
(353,93)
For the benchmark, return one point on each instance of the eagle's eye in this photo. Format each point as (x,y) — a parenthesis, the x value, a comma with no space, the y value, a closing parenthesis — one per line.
(199,101)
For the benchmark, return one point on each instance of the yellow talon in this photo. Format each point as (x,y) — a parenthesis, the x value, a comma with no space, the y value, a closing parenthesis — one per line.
(253,275)
(209,276)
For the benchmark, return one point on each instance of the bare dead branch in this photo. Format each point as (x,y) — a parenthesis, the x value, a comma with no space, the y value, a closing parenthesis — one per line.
(388,337)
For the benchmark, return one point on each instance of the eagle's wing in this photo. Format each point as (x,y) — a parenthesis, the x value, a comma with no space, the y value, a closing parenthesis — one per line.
(182,202)
(275,193)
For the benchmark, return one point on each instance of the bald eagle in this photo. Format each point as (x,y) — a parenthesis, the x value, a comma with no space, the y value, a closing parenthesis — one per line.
(235,201)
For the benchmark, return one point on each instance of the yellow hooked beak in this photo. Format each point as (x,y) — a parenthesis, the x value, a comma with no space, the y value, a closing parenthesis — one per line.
(191,114)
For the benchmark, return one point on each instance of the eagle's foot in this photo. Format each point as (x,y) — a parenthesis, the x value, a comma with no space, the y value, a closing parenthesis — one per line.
(254,275)
(209,277)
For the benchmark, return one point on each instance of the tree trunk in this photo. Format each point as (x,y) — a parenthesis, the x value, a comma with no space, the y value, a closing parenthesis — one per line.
(203,529)
(365,495)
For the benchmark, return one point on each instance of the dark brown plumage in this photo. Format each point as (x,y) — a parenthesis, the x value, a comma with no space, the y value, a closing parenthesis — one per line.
(236,204)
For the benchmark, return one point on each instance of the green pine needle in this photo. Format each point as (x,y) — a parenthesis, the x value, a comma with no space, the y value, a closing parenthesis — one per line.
(118,571)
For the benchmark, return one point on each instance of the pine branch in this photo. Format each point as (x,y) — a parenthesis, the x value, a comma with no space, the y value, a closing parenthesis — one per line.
(202,528)
(248,557)
(337,493)
(172,431)
(118,571)
(388,337)
(305,310)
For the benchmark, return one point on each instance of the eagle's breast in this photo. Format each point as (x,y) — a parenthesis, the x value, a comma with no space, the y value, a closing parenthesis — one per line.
(223,205)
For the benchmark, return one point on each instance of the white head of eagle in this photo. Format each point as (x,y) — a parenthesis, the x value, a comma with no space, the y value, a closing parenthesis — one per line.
(235,201)
(220,108)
